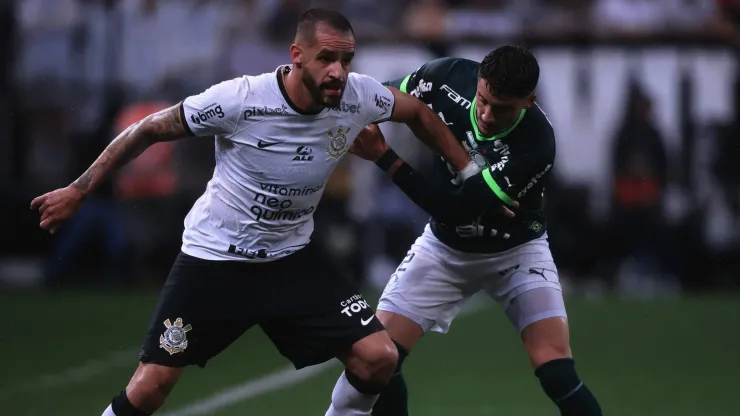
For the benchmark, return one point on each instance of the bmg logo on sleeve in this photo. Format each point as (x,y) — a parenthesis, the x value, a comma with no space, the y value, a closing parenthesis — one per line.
(213,110)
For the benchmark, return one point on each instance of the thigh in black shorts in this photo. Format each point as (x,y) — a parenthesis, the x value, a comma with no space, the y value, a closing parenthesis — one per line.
(206,305)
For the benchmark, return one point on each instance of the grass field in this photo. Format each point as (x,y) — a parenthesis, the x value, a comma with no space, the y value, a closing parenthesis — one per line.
(68,354)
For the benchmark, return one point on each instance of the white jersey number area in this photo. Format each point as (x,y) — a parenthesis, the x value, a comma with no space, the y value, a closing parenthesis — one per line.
(272,163)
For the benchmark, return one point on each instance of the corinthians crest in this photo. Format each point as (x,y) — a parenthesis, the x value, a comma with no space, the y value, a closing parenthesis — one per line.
(338,145)
(174,339)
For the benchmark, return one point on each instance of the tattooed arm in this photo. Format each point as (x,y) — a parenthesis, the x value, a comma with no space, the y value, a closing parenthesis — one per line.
(164,126)
(215,111)
(59,205)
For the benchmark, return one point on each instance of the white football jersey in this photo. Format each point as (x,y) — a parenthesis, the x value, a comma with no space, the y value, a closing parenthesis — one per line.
(272,163)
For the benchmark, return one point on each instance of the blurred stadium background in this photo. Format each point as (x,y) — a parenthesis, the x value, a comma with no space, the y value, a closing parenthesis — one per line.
(644,211)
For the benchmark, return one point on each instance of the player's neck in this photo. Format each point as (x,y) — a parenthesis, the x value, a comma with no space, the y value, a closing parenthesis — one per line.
(298,93)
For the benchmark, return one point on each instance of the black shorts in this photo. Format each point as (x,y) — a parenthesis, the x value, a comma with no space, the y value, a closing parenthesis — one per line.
(205,305)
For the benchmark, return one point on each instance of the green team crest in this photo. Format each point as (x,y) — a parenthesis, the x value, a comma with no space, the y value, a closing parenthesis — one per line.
(479,159)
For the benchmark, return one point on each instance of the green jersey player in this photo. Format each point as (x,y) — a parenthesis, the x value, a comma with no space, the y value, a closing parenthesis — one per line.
(491,109)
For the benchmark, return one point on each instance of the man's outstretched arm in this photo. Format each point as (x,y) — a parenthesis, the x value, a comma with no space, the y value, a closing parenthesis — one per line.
(386,103)
(430,129)
(451,207)
(163,126)
(215,111)
(57,206)
(462,206)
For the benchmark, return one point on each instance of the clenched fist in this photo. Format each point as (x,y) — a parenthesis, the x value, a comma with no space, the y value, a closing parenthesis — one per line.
(57,206)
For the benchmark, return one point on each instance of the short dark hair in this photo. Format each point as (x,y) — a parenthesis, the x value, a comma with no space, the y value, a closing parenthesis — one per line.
(510,72)
(310,19)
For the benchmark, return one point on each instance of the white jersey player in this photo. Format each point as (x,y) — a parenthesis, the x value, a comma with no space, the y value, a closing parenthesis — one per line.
(278,137)
(268,181)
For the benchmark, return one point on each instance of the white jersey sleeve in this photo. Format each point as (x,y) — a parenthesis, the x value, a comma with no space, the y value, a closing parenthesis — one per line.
(217,110)
(376,97)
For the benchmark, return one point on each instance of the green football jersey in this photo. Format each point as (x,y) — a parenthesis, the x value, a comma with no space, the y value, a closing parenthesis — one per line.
(517,161)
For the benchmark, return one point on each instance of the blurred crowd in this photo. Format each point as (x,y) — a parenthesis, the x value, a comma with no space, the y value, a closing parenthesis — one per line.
(76,72)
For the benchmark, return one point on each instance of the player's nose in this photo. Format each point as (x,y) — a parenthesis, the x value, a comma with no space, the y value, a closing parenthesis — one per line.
(336,71)
(487,117)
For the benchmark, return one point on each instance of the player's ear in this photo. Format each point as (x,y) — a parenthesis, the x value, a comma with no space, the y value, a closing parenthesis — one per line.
(296,56)
(531,99)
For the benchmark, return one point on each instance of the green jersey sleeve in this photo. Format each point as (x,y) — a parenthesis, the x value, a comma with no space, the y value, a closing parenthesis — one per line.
(450,206)
(420,82)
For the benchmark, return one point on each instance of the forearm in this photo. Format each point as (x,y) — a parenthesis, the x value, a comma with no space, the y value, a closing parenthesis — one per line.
(448,206)
(433,132)
(165,125)
(428,128)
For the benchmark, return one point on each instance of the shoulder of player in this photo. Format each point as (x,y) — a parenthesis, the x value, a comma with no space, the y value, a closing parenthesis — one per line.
(254,85)
(231,92)
(449,64)
(364,99)
(257,84)
(537,130)
(357,81)
(243,97)
(257,90)
(443,68)
(536,122)
(362,88)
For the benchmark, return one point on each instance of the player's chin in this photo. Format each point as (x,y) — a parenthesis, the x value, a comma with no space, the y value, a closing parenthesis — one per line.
(486,131)
(331,99)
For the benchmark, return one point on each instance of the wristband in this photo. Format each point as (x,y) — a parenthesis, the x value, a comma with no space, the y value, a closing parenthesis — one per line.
(387,160)
(471,169)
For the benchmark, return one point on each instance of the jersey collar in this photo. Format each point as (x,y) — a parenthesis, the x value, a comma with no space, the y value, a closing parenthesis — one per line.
(284,70)
(480,137)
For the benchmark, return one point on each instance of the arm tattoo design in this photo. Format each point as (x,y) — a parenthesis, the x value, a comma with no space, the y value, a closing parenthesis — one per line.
(163,126)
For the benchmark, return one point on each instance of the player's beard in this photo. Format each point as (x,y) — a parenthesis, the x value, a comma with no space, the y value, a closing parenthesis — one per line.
(318,94)
(332,100)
